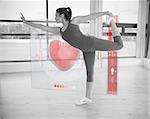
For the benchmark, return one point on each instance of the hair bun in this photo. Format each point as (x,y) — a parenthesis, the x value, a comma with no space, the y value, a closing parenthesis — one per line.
(68,9)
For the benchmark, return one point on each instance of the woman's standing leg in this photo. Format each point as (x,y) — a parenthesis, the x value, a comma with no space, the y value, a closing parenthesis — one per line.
(89,59)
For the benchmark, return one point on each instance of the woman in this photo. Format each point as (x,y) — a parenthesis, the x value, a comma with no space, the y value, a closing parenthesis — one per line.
(71,33)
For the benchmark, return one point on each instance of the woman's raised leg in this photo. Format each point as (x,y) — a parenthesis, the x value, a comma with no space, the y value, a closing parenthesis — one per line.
(106,45)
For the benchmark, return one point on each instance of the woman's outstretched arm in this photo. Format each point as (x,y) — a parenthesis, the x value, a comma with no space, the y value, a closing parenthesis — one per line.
(81,19)
(54,30)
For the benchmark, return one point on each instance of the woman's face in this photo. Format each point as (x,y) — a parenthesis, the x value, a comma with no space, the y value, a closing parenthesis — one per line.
(58,17)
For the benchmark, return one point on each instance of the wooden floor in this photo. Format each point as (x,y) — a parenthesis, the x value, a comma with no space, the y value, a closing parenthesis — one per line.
(19,101)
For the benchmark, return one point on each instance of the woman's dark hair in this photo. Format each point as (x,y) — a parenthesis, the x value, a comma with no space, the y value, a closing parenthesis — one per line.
(66,11)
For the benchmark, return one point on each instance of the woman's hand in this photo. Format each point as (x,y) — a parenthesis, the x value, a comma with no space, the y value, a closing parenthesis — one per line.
(110,14)
(22,17)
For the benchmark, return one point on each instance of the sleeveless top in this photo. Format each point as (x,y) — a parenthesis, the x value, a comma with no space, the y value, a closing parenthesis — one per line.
(76,38)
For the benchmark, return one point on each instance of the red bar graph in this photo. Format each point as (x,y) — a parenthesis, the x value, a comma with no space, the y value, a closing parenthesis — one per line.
(112,66)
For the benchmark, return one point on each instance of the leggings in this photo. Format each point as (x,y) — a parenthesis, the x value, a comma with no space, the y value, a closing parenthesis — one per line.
(89,59)
(104,45)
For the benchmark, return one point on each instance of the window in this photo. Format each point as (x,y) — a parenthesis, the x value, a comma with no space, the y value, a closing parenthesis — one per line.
(11,27)
(127,12)
(76,8)
(32,9)
(75,5)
